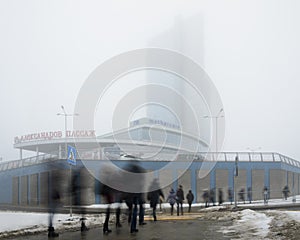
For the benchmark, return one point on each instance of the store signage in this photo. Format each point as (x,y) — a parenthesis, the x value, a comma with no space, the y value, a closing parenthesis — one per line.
(81,133)
(38,136)
(54,135)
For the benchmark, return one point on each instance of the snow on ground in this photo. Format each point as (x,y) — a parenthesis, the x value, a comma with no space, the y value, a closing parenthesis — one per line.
(248,224)
(267,224)
(254,220)
(245,224)
(295,215)
(19,223)
(147,205)
(285,224)
(272,202)
(10,221)
(212,209)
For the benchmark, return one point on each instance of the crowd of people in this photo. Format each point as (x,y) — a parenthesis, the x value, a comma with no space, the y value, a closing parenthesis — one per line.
(135,197)
(209,196)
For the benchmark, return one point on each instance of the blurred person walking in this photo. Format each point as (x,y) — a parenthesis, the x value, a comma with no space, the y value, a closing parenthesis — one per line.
(265,194)
(205,197)
(153,196)
(286,192)
(190,199)
(172,199)
(220,196)
(55,185)
(230,195)
(78,185)
(242,195)
(212,196)
(133,179)
(107,193)
(179,199)
(249,194)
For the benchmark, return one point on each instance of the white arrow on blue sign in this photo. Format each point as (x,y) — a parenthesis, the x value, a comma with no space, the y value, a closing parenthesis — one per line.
(71,155)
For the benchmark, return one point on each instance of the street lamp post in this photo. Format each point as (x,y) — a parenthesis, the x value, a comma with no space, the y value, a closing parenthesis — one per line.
(216,122)
(66,115)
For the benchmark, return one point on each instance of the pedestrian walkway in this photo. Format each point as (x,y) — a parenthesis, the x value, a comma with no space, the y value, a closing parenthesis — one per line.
(168,217)
(192,229)
(199,214)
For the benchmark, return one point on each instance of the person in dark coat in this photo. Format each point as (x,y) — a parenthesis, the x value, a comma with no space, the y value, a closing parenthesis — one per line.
(107,188)
(220,195)
(54,199)
(265,194)
(190,199)
(77,187)
(118,199)
(286,192)
(212,196)
(107,193)
(172,199)
(153,196)
(179,199)
(135,184)
(205,197)
(230,195)
(242,195)
(249,194)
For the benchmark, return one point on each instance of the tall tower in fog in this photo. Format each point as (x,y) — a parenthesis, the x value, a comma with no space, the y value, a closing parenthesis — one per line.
(185,37)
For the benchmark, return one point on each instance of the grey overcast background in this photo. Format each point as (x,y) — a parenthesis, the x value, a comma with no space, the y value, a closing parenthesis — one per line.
(249,48)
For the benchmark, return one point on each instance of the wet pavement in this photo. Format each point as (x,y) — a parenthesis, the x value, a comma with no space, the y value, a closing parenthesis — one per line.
(165,229)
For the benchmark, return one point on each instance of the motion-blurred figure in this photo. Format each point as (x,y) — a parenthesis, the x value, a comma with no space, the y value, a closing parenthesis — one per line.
(107,193)
(54,198)
(230,195)
(205,197)
(249,194)
(190,199)
(154,195)
(179,199)
(172,199)
(212,196)
(78,185)
(286,192)
(134,182)
(220,196)
(265,193)
(242,195)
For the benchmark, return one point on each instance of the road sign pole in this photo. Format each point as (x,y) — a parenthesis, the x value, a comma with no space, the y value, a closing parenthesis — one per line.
(71,159)
(71,197)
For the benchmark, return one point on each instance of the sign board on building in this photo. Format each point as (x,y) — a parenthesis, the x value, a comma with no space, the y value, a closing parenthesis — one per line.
(55,135)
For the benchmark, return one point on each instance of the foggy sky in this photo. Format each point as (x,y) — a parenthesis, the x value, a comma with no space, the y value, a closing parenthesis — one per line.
(249,48)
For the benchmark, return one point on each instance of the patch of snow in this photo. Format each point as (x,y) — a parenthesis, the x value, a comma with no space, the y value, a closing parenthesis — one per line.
(249,224)
(16,223)
(212,209)
(294,215)
(10,221)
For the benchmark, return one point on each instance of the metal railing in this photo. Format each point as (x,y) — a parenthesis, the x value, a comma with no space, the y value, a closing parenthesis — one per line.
(251,157)
(27,161)
(163,156)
